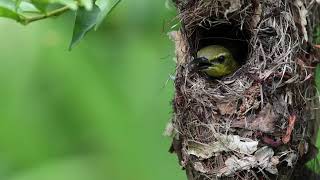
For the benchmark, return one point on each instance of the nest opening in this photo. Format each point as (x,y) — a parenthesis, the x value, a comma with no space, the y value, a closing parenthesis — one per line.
(229,35)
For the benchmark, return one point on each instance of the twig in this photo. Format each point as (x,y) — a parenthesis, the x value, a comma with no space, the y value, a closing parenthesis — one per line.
(55,12)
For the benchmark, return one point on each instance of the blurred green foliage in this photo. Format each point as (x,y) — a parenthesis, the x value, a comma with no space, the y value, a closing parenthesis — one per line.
(317,34)
(95,113)
(315,163)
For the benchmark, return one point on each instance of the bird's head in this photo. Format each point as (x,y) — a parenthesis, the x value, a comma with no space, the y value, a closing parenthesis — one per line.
(215,60)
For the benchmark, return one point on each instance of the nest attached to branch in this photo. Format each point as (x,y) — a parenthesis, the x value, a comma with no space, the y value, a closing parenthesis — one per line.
(259,122)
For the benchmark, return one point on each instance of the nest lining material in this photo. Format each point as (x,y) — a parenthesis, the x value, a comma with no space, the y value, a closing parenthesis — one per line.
(255,123)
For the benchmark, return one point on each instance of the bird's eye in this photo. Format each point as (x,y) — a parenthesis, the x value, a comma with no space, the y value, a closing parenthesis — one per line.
(221,59)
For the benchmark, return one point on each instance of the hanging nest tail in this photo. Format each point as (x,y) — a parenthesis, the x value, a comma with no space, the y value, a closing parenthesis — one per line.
(258,123)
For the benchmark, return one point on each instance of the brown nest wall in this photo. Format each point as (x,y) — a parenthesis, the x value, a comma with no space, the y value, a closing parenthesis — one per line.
(259,122)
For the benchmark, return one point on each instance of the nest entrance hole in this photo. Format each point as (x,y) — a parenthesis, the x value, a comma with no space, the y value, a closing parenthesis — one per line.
(228,35)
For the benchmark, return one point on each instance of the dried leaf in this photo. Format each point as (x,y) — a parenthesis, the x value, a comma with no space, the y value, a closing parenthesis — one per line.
(266,159)
(303,17)
(303,148)
(291,121)
(203,151)
(265,121)
(291,159)
(227,108)
(169,131)
(199,167)
(271,141)
(263,159)
(233,164)
(224,143)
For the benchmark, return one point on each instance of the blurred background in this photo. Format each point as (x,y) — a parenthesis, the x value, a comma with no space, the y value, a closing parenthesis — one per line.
(95,113)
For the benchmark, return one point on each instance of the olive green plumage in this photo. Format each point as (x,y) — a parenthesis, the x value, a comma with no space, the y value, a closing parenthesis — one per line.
(216,61)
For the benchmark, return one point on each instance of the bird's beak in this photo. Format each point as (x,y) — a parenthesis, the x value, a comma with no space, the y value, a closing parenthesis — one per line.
(200,63)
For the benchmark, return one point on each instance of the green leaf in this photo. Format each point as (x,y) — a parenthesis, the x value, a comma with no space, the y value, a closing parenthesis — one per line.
(85,21)
(317,34)
(26,7)
(8,10)
(70,3)
(17,4)
(87,4)
(43,4)
(106,6)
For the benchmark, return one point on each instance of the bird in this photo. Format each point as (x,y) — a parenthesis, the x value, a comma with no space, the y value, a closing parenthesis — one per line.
(216,61)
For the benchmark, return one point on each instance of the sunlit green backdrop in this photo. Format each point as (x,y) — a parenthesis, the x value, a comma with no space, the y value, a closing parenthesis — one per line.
(95,113)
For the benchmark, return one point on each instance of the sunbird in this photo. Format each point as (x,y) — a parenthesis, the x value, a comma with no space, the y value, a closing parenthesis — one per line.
(216,61)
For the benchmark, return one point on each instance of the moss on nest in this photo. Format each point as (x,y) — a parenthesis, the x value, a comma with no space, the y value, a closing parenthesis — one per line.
(255,123)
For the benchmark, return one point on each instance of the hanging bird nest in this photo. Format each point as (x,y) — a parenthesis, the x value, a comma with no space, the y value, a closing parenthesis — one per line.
(257,123)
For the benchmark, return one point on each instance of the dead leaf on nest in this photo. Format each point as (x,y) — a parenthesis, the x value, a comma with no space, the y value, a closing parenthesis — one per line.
(303,148)
(291,159)
(249,101)
(262,158)
(265,121)
(271,141)
(199,167)
(233,164)
(169,131)
(224,143)
(303,18)
(227,108)
(266,159)
(291,121)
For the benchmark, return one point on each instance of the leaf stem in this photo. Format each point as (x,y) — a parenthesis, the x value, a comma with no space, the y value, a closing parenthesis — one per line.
(55,12)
